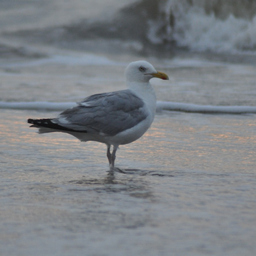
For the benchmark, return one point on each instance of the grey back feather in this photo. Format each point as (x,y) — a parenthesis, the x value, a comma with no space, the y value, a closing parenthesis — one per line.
(106,113)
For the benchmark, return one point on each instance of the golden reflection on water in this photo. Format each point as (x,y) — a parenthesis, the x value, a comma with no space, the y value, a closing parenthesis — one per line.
(173,142)
(216,142)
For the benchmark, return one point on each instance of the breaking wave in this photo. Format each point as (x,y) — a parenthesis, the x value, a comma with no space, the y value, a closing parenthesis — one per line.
(206,25)
(200,25)
(223,26)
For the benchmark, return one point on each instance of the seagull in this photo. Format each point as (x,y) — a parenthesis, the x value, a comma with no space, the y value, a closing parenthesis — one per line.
(113,118)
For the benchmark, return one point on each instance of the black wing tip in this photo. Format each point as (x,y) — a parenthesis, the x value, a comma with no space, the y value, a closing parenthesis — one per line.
(47,123)
(40,122)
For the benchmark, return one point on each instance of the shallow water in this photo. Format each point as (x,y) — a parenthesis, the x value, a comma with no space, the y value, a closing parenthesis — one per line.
(186,187)
(189,190)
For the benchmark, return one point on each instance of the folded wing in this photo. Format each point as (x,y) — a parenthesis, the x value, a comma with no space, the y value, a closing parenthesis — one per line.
(106,113)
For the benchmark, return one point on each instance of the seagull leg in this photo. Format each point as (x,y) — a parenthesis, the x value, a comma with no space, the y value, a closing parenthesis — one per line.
(113,157)
(109,155)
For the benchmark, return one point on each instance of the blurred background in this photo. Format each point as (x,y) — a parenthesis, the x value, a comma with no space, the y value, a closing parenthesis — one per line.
(207,46)
(145,27)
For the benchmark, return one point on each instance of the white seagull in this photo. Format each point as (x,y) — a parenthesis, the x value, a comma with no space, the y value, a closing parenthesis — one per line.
(114,118)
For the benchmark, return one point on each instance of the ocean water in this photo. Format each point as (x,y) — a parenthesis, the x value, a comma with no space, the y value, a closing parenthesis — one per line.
(187,187)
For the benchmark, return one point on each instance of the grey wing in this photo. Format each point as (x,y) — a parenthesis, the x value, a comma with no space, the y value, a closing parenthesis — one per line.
(107,113)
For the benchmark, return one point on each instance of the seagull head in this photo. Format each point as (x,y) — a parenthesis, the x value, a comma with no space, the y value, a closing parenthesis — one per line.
(142,71)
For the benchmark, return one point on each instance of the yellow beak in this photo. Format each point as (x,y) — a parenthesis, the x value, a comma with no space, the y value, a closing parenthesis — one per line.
(160,75)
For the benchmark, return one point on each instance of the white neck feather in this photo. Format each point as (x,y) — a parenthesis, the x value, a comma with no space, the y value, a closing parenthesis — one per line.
(146,92)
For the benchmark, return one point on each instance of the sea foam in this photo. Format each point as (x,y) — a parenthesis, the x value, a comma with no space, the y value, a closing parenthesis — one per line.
(161,105)
(220,26)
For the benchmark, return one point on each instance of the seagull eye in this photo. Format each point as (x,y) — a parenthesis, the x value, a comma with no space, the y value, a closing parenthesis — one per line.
(142,69)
